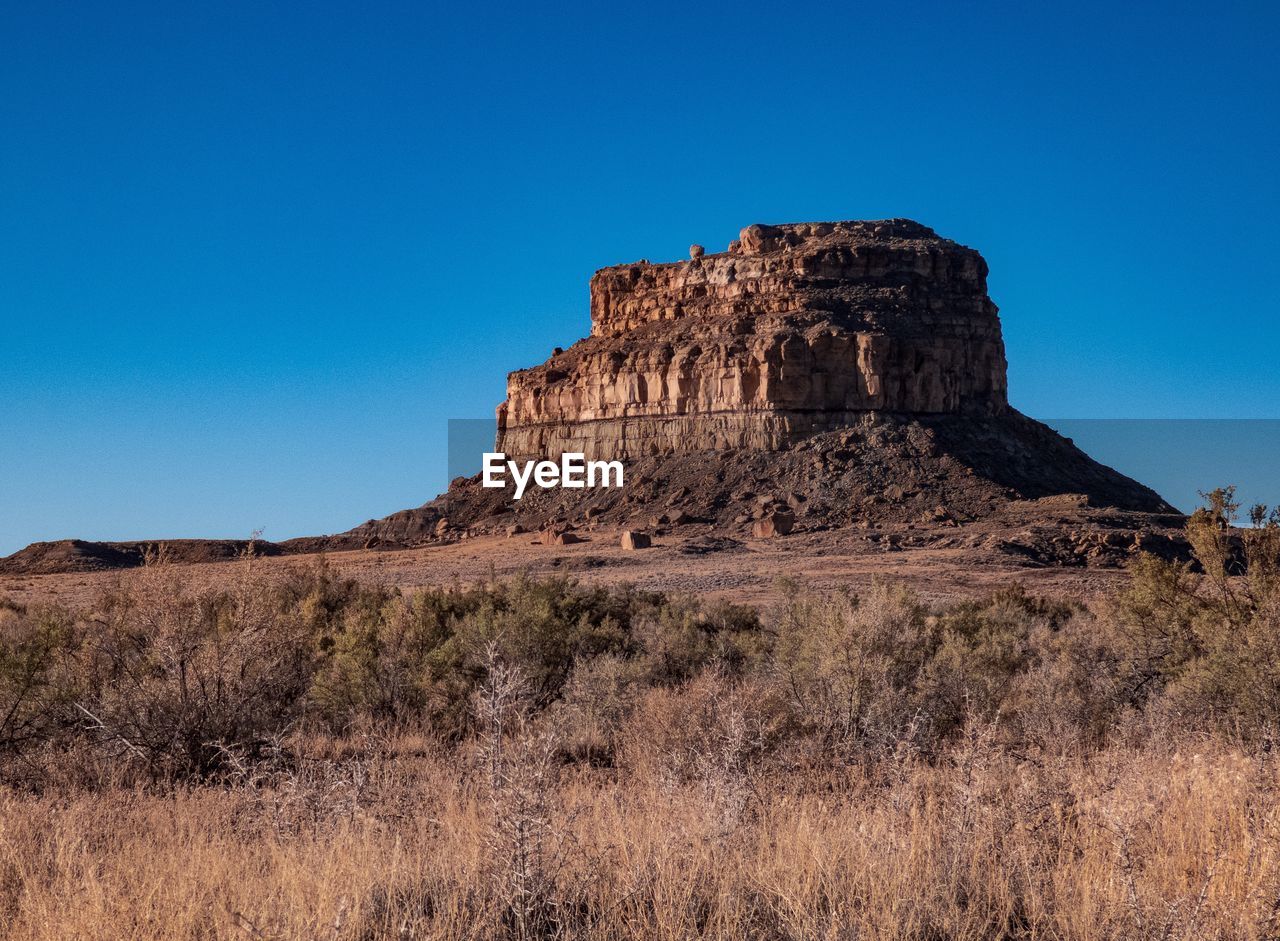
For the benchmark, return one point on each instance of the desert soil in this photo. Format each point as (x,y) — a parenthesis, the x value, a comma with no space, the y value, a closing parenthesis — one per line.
(743,571)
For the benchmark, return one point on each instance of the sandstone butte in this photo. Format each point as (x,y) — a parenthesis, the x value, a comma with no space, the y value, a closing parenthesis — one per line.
(841,374)
(834,374)
(795,329)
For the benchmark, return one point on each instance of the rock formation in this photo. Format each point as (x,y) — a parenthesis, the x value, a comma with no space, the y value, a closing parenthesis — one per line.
(815,377)
(796,329)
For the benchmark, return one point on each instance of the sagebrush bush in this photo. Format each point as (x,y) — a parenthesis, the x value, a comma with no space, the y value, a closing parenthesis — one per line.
(850,665)
(37,676)
(1203,636)
(978,650)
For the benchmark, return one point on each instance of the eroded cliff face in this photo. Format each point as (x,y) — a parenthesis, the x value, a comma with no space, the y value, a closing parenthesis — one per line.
(794,330)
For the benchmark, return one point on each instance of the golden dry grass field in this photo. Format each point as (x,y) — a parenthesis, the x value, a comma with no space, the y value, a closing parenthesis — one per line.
(1173,840)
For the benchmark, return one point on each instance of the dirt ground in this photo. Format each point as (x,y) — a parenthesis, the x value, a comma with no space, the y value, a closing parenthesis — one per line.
(743,571)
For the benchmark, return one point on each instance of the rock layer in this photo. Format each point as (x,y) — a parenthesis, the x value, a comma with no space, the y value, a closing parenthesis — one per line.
(796,329)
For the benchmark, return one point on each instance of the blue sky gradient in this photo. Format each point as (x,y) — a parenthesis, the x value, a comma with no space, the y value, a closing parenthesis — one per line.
(254,256)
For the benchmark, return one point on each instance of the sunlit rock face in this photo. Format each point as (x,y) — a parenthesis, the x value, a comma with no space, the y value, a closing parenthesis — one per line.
(796,329)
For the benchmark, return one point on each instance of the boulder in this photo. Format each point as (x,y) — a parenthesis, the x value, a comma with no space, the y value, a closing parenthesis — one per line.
(634,539)
(773,524)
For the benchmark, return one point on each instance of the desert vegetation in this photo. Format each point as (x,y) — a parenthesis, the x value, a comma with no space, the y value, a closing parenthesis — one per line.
(308,757)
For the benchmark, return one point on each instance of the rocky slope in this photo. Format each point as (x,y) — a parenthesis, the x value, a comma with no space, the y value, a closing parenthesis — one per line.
(908,481)
(81,555)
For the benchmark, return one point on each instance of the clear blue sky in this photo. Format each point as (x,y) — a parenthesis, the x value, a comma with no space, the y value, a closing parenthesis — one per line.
(253,255)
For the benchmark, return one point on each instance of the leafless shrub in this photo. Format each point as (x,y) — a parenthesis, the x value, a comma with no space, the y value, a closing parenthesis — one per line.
(174,679)
(517,756)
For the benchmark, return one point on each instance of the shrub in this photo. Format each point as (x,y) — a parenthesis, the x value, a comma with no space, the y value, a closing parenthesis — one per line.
(37,679)
(1071,690)
(540,627)
(701,730)
(849,665)
(175,678)
(1205,636)
(679,637)
(981,647)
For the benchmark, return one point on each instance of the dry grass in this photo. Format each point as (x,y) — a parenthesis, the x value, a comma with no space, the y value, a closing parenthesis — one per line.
(1164,841)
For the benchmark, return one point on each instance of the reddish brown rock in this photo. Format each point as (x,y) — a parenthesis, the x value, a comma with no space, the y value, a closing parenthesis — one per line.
(773,524)
(798,330)
(634,539)
(853,372)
